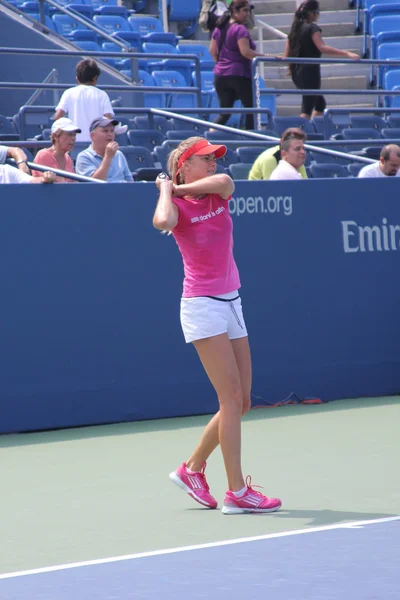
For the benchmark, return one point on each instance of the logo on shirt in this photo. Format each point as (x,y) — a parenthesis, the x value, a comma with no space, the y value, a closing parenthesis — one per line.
(209,215)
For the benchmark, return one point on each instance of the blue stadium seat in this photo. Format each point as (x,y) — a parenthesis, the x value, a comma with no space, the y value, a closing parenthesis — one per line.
(207,87)
(8,131)
(355,168)
(33,8)
(387,51)
(111,24)
(137,157)
(131,37)
(183,11)
(248,154)
(327,170)
(82,9)
(378,11)
(31,120)
(174,79)
(112,60)
(150,30)
(202,52)
(161,157)
(84,35)
(362,133)
(392,82)
(318,157)
(283,123)
(318,124)
(391,133)
(111,10)
(181,134)
(89,46)
(99,3)
(65,25)
(148,138)
(47,20)
(160,123)
(368,121)
(240,170)
(230,158)
(169,64)
(394,120)
(193,128)
(223,135)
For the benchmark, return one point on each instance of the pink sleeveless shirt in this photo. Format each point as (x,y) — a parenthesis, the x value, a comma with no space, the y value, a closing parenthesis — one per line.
(204,237)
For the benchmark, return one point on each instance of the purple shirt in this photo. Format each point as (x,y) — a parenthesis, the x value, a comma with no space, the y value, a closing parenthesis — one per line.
(230,61)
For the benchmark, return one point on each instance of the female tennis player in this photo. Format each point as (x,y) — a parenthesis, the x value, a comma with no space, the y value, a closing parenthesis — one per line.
(193,206)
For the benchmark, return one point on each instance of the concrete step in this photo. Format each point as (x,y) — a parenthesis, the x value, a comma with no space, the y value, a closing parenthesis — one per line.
(289,6)
(329,30)
(329,83)
(345,43)
(326,18)
(291,111)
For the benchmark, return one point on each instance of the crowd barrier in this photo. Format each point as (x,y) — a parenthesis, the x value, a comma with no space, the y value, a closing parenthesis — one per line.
(90,296)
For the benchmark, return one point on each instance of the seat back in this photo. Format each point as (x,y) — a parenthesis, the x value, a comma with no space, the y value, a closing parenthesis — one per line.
(148,138)
(160,123)
(145,25)
(65,25)
(240,170)
(355,168)
(283,123)
(366,133)
(248,154)
(175,79)
(369,122)
(111,24)
(137,157)
(391,133)
(327,170)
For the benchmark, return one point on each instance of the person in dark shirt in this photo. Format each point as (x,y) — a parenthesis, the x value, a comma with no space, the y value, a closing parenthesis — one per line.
(305,41)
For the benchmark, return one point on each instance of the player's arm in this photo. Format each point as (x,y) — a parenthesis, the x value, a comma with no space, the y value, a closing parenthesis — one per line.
(166,214)
(220,184)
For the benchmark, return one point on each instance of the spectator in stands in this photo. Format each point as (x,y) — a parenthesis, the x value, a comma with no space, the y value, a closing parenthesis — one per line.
(268,160)
(85,101)
(10,174)
(305,41)
(63,135)
(387,166)
(17,154)
(293,157)
(102,159)
(233,50)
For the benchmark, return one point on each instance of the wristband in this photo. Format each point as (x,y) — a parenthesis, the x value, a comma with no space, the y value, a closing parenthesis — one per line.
(19,162)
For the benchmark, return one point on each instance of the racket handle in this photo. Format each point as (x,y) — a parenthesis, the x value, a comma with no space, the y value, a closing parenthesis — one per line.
(163,176)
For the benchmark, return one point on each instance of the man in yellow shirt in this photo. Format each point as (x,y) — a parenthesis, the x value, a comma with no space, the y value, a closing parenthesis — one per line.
(269,159)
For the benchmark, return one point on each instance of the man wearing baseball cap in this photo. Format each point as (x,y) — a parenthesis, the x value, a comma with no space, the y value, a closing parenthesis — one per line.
(269,159)
(63,136)
(102,159)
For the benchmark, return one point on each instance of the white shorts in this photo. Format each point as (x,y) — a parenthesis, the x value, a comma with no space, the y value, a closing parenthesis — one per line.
(203,317)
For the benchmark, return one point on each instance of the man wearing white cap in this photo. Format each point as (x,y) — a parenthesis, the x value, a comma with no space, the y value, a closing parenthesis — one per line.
(63,135)
(102,159)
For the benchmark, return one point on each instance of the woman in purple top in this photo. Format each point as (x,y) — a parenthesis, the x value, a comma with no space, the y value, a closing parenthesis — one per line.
(233,49)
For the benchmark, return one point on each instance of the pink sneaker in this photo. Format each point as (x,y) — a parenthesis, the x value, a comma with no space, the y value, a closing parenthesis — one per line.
(250,502)
(194,484)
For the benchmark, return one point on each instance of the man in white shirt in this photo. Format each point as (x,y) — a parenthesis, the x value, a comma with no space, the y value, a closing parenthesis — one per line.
(387,166)
(85,101)
(17,154)
(10,174)
(293,156)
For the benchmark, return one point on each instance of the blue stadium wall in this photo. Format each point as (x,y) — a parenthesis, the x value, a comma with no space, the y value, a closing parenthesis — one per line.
(89,321)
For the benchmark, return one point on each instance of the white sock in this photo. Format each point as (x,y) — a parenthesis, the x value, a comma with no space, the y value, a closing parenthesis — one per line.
(240,493)
(191,472)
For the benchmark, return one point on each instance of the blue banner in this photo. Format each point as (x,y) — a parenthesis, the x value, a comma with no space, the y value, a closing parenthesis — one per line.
(90,294)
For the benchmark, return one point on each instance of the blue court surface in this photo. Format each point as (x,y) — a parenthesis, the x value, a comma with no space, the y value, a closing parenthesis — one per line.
(353,561)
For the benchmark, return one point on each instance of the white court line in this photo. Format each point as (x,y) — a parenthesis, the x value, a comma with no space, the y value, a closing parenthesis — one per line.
(269,536)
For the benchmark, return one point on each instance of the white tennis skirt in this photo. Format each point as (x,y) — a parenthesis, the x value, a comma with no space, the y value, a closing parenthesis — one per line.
(205,316)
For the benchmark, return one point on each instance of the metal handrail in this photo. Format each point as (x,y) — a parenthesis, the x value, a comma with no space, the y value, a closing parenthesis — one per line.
(259,136)
(62,173)
(131,87)
(53,74)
